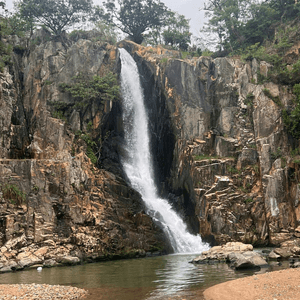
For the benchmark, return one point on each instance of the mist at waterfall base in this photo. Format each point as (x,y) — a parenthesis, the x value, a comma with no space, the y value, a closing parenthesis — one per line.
(138,165)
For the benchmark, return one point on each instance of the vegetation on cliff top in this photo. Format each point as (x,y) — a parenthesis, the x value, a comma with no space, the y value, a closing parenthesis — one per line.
(238,24)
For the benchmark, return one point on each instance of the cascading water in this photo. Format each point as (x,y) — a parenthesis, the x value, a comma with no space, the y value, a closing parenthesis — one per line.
(138,166)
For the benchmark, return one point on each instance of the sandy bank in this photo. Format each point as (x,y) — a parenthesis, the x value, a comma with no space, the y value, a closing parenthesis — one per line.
(278,285)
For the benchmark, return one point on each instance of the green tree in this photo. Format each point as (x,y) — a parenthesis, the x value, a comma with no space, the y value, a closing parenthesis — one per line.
(57,15)
(134,17)
(240,23)
(177,32)
(226,19)
(286,9)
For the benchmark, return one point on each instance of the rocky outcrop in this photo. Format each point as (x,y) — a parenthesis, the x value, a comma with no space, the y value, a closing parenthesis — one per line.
(231,142)
(221,152)
(57,207)
(237,255)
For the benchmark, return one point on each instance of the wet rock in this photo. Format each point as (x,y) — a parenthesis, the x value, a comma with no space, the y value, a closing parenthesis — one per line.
(283,252)
(246,260)
(68,260)
(273,255)
(9,266)
(295,265)
(49,263)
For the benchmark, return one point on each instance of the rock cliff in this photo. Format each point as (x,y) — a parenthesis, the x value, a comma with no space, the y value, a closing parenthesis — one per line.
(56,205)
(221,153)
(228,160)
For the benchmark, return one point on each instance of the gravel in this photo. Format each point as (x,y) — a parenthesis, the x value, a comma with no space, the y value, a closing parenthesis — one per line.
(40,291)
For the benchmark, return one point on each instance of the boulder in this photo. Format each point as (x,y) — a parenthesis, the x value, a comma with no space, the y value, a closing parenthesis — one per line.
(9,266)
(295,265)
(283,252)
(273,255)
(233,253)
(68,260)
(246,260)
(49,263)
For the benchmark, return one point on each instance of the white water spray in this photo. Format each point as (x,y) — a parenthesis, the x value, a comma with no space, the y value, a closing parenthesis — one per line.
(138,166)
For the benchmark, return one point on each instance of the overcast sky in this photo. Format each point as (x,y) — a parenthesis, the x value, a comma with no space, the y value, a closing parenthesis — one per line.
(189,8)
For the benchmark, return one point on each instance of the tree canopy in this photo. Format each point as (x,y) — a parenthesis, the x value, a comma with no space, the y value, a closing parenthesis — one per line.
(134,17)
(177,31)
(57,15)
(240,23)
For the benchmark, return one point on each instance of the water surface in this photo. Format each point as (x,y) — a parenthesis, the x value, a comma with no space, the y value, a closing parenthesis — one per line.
(163,277)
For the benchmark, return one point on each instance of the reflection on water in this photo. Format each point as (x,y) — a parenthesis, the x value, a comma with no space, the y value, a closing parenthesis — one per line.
(164,277)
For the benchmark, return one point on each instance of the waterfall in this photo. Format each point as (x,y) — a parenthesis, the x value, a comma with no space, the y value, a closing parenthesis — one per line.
(137,161)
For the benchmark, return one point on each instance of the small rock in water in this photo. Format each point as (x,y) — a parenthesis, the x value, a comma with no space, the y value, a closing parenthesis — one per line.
(39,269)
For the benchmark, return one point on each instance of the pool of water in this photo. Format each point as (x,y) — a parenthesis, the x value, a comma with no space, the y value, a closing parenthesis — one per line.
(163,277)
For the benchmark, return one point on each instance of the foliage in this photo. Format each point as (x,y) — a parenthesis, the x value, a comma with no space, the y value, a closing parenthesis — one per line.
(59,115)
(91,146)
(275,99)
(260,53)
(240,23)
(164,60)
(248,200)
(56,15)
(290,75)
(177,31)
(225,19)
(207,52)
(133,17)
(106,32)
(295,152)
(13,194)
(5,55)
(285,9)
(256,169)
(249,99)
(292,119)
(85,90)
(232,170)
(276,154)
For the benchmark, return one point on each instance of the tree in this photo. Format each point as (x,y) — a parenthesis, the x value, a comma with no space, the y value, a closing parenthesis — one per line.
(226,19)
(286,9)
(134,17)
(177,32)
(57,15)
(240,23)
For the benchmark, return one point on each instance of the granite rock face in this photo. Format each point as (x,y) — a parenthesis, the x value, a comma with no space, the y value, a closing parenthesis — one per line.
(52,196)
(231,155)
(221,154)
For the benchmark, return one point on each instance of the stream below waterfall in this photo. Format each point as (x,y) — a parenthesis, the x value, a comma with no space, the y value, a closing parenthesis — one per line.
(153,278)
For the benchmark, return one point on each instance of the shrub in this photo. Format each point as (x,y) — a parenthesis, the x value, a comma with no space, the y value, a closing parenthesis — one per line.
(13,194)
(84,90)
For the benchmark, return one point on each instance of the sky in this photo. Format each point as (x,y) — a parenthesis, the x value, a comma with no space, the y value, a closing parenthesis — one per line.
(189,8)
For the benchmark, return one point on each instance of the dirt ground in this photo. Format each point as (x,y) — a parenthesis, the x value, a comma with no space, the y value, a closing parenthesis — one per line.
(277,285)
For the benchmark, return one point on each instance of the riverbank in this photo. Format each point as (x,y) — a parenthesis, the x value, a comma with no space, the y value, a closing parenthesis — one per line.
(279,285)
(40,291)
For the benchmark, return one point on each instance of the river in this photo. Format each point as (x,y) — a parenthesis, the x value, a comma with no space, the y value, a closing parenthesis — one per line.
(153,278)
